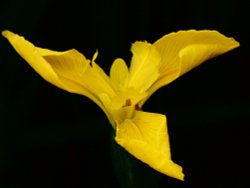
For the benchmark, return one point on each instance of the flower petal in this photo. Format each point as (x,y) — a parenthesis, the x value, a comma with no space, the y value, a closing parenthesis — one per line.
(119,74)
(144,68)
(184,50)
(145,136)
(29,52)
(74,67)
(68,70)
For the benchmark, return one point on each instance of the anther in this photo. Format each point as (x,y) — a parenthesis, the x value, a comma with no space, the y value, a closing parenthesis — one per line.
(137,107)
(128,102)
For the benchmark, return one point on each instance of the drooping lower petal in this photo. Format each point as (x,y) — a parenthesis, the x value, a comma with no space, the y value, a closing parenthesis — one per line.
(145,136)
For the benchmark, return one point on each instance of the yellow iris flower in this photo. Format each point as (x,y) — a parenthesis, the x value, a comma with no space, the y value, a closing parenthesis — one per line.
(122,94)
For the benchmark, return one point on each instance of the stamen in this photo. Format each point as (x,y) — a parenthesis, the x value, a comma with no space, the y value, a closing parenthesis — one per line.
(128,102)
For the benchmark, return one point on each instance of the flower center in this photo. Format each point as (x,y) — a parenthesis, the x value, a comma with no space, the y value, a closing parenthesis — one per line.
(129,103)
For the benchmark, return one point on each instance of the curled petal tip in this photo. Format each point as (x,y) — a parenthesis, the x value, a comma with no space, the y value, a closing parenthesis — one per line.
(8,34)
(5,33)
(182,177)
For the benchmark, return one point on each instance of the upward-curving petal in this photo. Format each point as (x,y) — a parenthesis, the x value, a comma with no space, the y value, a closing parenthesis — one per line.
(145,136)
(68,70)
(119,74)
(144,68)
(184,50)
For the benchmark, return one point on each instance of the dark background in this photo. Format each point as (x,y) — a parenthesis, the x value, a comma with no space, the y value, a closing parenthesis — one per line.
(51,138)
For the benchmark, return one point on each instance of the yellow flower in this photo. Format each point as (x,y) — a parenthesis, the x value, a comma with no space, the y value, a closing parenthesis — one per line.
(122,94)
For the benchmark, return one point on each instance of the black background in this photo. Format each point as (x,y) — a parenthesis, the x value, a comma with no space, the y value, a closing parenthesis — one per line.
(51,138)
